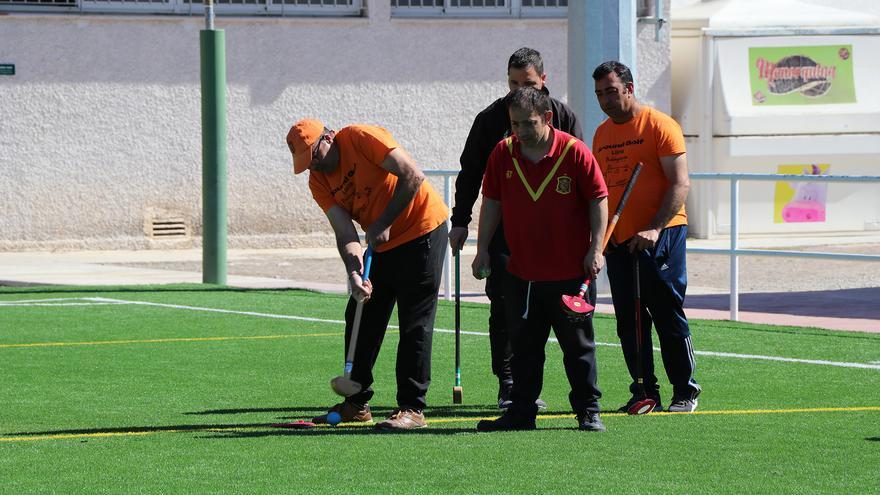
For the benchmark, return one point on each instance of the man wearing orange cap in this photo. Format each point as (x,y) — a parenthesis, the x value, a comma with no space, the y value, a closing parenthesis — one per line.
(360,174)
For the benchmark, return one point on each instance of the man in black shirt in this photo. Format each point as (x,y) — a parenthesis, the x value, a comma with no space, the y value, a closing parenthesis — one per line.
(524,68)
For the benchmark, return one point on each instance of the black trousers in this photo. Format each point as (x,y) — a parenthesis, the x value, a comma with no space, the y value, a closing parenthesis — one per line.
(499,337)
(409,276)
(662,283)
(533,308)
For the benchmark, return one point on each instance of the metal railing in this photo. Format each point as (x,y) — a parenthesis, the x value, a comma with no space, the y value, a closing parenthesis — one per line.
(447,198)
(734,251)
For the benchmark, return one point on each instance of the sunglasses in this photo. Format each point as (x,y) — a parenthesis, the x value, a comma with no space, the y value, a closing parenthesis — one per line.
(317,146)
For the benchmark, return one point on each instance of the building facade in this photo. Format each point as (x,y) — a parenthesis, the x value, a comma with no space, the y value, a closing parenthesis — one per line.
(100,139)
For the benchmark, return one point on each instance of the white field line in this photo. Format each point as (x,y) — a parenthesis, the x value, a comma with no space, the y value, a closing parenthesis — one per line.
(842,364)
(60,301)
(216,310)
(60,304)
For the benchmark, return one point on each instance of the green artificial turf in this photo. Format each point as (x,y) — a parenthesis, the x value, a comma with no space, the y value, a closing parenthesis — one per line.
(170,398)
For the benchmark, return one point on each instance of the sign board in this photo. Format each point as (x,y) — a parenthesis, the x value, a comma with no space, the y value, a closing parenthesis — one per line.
(7,69)
(802,75)
(800,201)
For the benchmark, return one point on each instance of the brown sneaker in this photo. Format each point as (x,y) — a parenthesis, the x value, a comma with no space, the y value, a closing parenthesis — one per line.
(350,413)
(403,419)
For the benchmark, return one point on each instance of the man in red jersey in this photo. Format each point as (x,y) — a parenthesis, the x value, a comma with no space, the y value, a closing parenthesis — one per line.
(548,187)
(525,67)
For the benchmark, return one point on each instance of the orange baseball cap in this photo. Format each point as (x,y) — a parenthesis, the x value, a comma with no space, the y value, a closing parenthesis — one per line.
(300,139)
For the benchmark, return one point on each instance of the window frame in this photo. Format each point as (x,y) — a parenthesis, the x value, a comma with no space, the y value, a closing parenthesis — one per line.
(512,9)
(189,7)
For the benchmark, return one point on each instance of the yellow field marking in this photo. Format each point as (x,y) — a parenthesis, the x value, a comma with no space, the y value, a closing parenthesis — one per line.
(710,412)
(68,436)
(222,429)
(781,411)
(163,341)
(211,428)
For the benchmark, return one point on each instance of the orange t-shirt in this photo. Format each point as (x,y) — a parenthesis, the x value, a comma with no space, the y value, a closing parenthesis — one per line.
(363,188)
(619,147)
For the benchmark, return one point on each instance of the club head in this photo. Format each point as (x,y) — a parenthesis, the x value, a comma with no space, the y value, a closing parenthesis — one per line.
(643,406)
(456,395)
(575,305)
(344,386)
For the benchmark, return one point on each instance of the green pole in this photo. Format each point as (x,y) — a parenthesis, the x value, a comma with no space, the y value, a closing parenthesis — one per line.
(213,70)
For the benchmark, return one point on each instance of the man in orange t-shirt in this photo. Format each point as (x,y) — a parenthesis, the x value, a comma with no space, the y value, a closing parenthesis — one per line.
(360,174)
(652,229)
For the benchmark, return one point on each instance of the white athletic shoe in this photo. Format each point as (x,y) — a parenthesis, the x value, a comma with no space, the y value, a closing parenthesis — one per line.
(684,404)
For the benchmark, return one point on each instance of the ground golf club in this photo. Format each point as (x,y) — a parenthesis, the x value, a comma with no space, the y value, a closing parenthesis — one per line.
(456,389)
(644,405)
(577,305)
(344,385)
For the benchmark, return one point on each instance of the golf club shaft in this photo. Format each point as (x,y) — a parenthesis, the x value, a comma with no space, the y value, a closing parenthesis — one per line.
(613,223)
(355,328)
(358,312)
(620,204)
(458,318)
(637,291)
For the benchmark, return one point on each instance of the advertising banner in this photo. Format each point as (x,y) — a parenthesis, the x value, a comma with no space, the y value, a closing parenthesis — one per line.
(802,75)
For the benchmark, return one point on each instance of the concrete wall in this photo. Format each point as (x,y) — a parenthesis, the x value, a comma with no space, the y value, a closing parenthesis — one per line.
(100,126)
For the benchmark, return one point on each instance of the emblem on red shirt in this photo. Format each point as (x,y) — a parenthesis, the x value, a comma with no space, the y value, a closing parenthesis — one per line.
(508,174)
(563,184)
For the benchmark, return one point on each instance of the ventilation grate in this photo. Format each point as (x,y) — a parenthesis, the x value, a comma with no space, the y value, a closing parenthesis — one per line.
(168,227)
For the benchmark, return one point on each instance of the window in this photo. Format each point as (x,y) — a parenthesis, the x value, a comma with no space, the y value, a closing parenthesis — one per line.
(479,8)
(46,5)
(192,7)
(399,8)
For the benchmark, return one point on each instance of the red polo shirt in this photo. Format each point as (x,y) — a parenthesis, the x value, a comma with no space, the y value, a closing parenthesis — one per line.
(545,206)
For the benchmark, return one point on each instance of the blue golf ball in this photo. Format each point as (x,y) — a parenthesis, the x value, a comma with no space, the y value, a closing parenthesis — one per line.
(334,418)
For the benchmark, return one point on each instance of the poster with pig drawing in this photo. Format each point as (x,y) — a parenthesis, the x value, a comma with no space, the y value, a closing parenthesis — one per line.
(800,201)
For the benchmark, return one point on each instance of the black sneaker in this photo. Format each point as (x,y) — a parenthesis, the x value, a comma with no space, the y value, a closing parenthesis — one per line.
(625,408)
(507,422)
(590,422)
(684,404)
